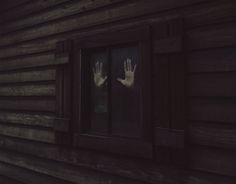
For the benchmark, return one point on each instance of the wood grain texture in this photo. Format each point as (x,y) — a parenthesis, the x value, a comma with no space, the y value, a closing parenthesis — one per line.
(45,105)
(8,180)
(213,60)
(9,5)
(28,90)
(213,134)
(66,172)
(213,160)
(129,10)
(212,12)
(34,29)
(42,46)
(25,176)
(28,76)
(28,8)
(55,13)
(212,110)
(128,168)
(212,84)
(216,36)
(28,133)
(27,119)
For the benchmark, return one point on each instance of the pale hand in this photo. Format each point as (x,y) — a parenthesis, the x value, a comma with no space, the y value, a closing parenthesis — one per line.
(99,80)
(129,74)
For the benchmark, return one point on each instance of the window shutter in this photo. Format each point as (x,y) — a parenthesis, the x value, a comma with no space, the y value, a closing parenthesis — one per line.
(169,95)
(63,92)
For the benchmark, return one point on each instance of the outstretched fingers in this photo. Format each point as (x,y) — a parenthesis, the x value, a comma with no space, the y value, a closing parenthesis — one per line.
(97,67)
(100,67)
(125,66)
(129,64)
(134,68)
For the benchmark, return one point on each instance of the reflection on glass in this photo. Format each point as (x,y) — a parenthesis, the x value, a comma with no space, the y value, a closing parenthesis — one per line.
(125,92)
(99,91)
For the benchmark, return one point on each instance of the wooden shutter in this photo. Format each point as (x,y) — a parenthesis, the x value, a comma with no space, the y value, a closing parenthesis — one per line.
(63,88)
(169,94)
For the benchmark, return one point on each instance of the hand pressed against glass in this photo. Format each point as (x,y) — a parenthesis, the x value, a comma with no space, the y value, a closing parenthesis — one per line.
(128,81)
(98,77)
(129,70)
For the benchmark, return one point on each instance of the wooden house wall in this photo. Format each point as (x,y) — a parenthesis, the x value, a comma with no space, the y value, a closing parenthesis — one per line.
(29,32)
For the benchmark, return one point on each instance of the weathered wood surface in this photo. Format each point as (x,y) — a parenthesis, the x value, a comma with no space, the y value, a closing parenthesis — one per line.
(213,60)
(9,5)
(213,110)
(8,180)
(31,32)
(25,176)
(212,159)
(27,8)
(38,134)
(212,12)
(28,90)
(82,175)
(28,76)
(27,119)
(57,12)
(212,85)
(213,134)
(131,9)
(43,105)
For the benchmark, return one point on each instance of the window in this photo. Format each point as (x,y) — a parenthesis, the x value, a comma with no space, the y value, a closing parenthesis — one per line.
(111,92)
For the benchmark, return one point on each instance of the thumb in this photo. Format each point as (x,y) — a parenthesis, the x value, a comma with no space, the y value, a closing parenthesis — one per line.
(105,78)
(120,80)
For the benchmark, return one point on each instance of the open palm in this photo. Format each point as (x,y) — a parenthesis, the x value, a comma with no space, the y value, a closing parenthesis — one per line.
(128,81)
(98,77)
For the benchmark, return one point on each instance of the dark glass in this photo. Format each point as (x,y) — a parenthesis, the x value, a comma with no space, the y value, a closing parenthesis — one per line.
(99,94)
(126,110)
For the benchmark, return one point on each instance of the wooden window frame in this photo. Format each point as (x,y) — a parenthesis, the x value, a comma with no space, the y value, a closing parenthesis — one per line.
(128,146)
(165,124)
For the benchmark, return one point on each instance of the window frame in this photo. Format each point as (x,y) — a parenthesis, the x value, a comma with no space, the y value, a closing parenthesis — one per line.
(128,146)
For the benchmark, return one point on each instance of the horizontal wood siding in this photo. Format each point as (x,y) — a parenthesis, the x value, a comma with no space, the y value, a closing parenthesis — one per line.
(29,32)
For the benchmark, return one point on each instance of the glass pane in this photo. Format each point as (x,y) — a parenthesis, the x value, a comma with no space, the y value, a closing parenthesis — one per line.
(125,91)
(99,91)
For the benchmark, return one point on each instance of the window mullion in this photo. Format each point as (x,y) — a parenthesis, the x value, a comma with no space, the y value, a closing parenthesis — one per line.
(109,92)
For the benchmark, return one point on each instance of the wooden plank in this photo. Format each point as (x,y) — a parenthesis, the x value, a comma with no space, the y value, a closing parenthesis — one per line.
(68,9)
(8,180)
(25,176)
(27,119)
(169,138)
(213,134)
(147,172)
(129,10)
(168,45)
(212,12)
(29,62)
(45,105)
(214,60)
(29,8)
(222,35)
(33,47)
(130,147)
(161,102)
(28,90)
(28,76)
(45,45)
(212,110)
(213,160)
(66,172)
(9,5)
(42,135)
(212,85)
